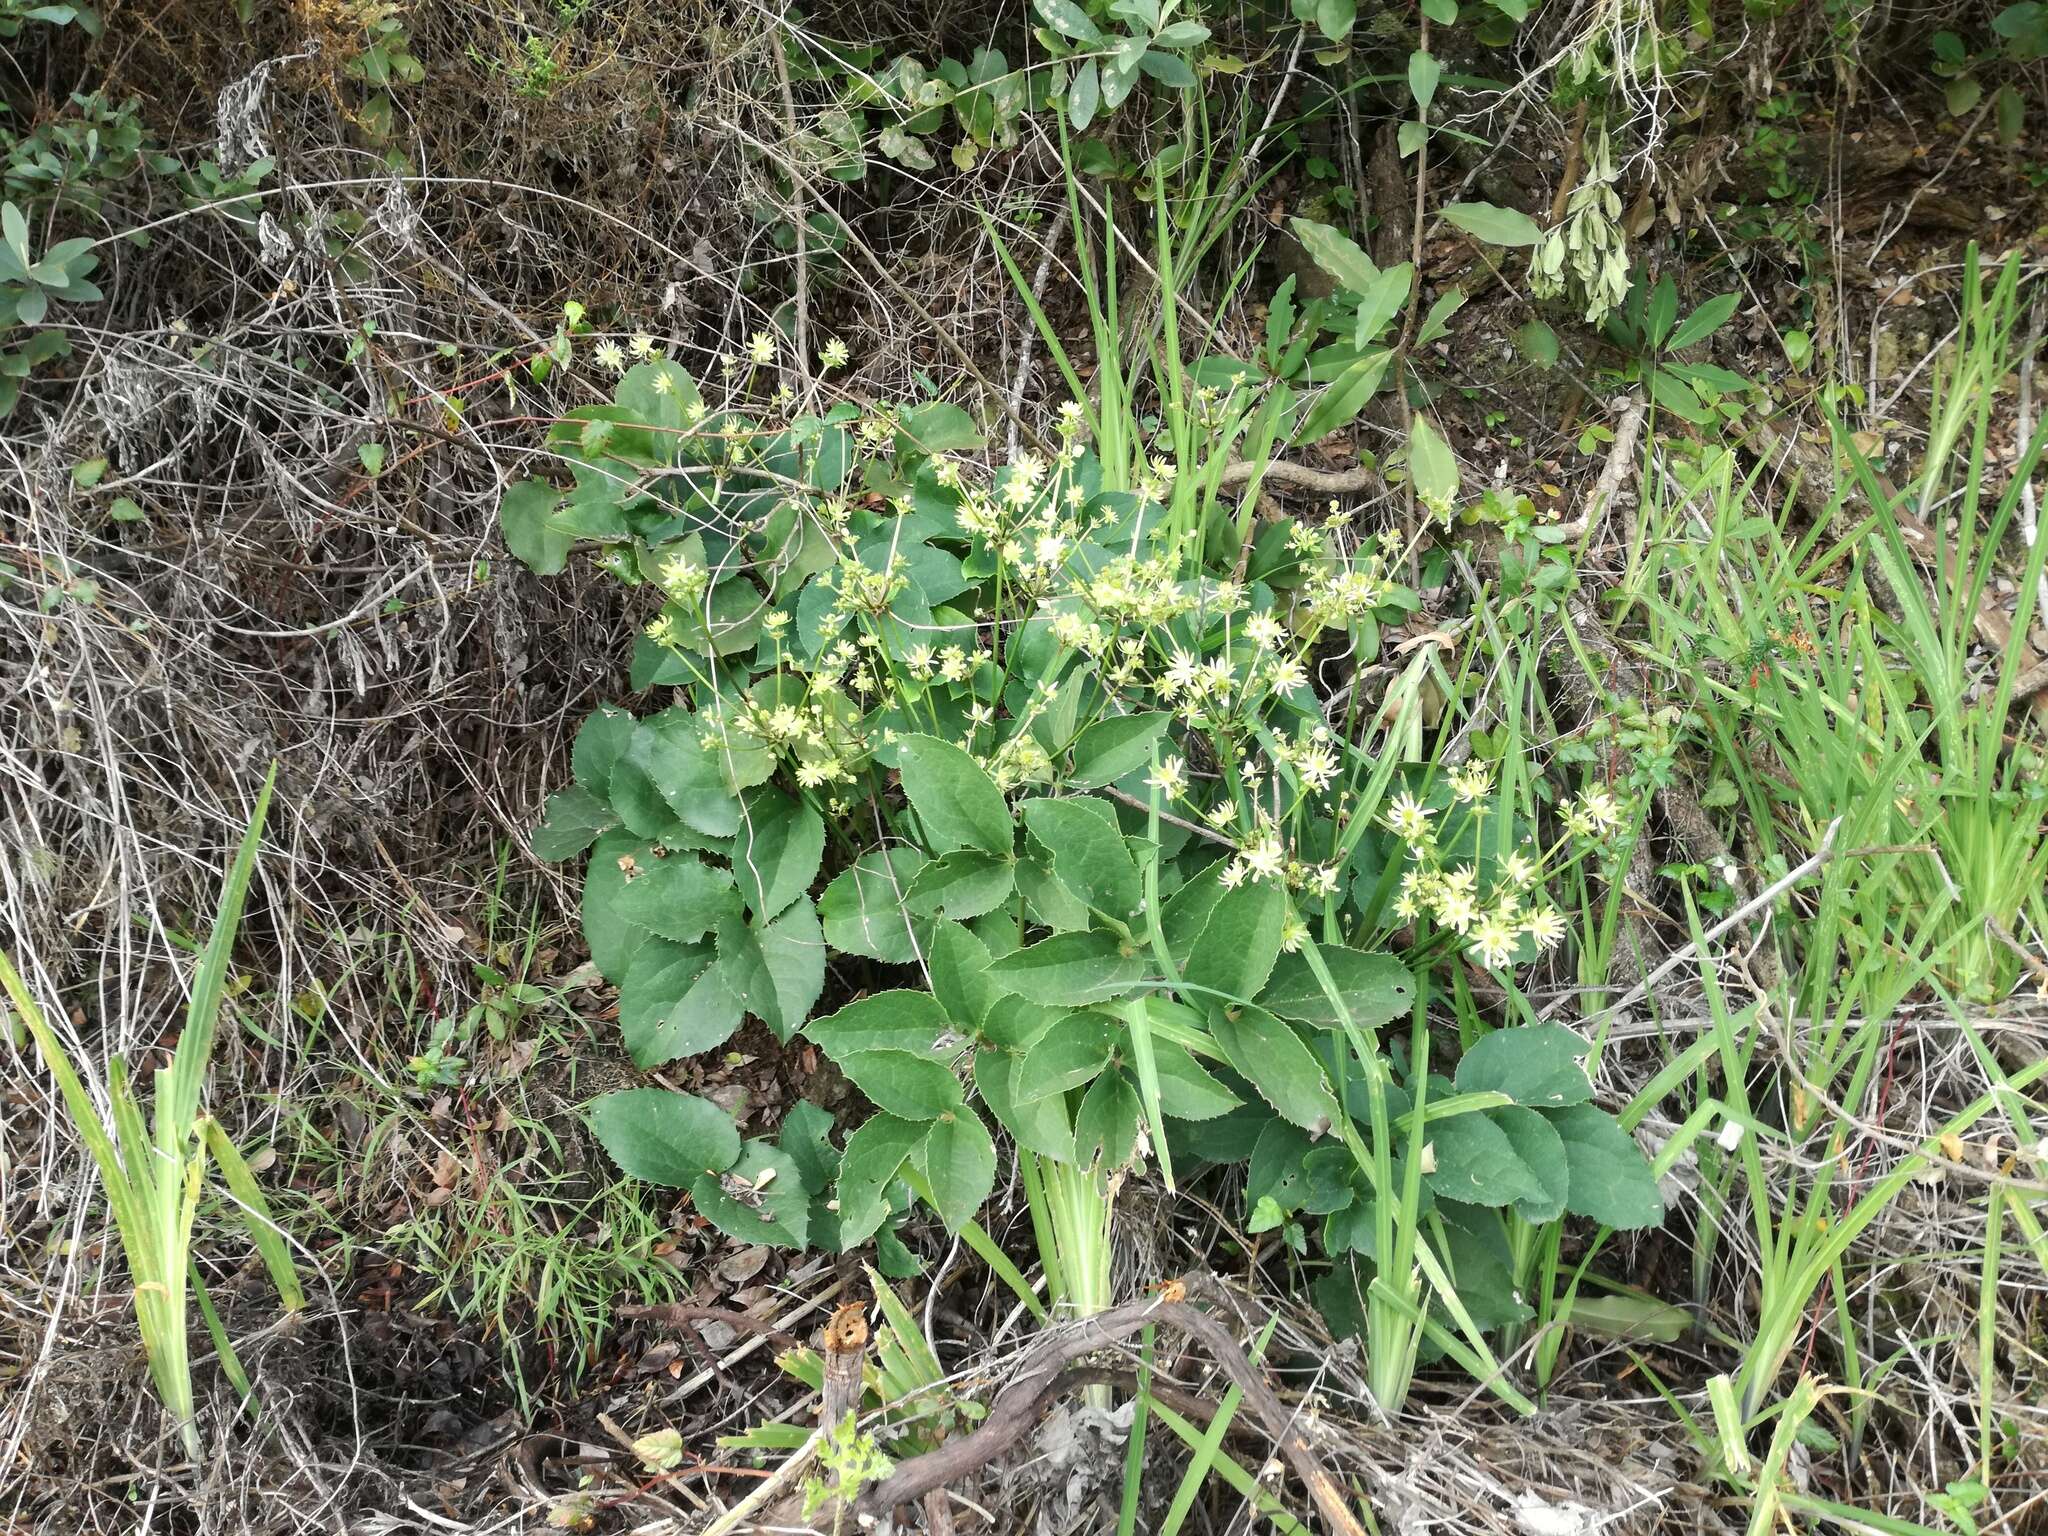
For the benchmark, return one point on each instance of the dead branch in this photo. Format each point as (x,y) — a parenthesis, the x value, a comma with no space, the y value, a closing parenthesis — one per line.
(1044,1377)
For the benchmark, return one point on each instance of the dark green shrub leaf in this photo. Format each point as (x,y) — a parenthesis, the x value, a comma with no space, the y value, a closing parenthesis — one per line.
(1478,1165)
(962,884)
(676,1000)
(664,1137)
(1187,1090)
(573,819)
(909,1085)
(959,1162)
(1541,1150)
(777,850)
(955,799)
(1072,1052)
(1240,942)
(1088,854)
(937,427)
(1610,1181)
(874,1155)
(776,969)
(523,519)
(1704,321)
(1106,1124)
(601,741)
(1070,968)
(759,1200)
(862,908)
(1113,749)
(1039,1125)
(1494,225)
(612,937)
(886,1021)
(679,897)
(1375,988)
(1534,1064)
(1273,1059)
(958,963)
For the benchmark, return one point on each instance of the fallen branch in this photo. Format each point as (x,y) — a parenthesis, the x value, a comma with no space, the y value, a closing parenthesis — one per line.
(1621,462)
(1044,1376)
(1328,482)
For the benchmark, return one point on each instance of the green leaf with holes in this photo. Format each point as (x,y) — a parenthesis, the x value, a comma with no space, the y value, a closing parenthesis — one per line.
(1070,968)
(1374,988)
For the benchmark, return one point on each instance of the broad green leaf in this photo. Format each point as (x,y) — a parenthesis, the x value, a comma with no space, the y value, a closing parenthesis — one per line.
(1610,1181)
(1070,968)
(572,820)
(691,776)
(612,938)
(958,963)
(680,897)
(664,1137)
(1084,95)
(1069,20)
(1187,910)
(776,969)
(1168,69)
(1338,406)
(1541,1150)
(1704,321)
(1380,301)
(761,1199)
(1375,988)
(959,1163)
(1270,1056)
(862,908)
(601,741)
(963,884)
(523,515)
(1039,1125)
(1437,323)
(1432,465)
(874,1154)
(911,1085)
(938,427)
(1477,1164)
(676,1000)
(1423,74)
(884,1021)
(1493,224)
(1240,942)
(1114,748)
(1534,1064)
(1088,855)
(1538,343)
(1662,310)
(1187,1090)
(1337,254)
(1106,1124)
(1069,1054)
(776,851)
(955,799)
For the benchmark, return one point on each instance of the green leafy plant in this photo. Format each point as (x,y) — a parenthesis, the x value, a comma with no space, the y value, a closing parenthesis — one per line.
(28,286)
(153,1177)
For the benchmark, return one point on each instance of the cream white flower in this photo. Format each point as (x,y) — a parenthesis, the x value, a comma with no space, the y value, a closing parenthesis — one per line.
(611,355)
(833,354)
(1170,778)
(1408,818)
(761,348)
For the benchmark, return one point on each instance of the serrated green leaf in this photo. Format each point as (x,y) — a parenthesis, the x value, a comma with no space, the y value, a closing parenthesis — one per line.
(777,850)
(664,1137)
(571,821)
(676,1000)
(1534,1064)
(1240,942)
(680,898)
(759,1200)
(901,1020)
(958,963)
(959,1164)
(1270,1056)
(862,908)
(1070,968)
(1088,855)
(963,884)
(1375,988)
(601,741)
(1106,1124)
(1187,1089)
(523,520)
(1039,1125)
(776,969)
(955,799)
(612,938)
(669,748)
(1115,748)
(912,1085)
(1610,1180)
(875,1153)
(1074,1051)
